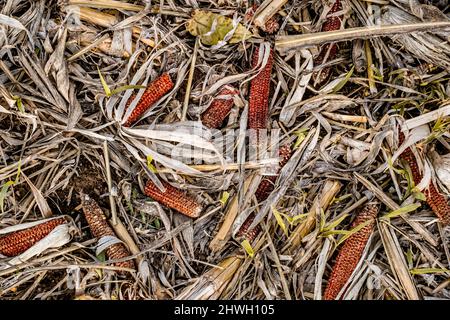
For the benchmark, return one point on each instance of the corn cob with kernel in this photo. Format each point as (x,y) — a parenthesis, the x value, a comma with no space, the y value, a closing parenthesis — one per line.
(174,198)
(259,93)
(20,241)
(435,200)
(332,23)
(216,113)
(351,252)
(265,187)
(155,91)
(100,228)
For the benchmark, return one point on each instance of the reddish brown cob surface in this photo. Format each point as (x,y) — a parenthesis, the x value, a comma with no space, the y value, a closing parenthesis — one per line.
(332,23)
(259,93)
(435,200)
(245,233)
(220,107)
(174,198)
(18,242)
(351,252)
(155,91)
(265,187)
(100,228)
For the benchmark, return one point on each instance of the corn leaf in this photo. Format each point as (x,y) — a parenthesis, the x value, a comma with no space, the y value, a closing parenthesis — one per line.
(280,221)
(224,198)
(248,248)
(402,210)
(104,84)
(353,231)
(428,270)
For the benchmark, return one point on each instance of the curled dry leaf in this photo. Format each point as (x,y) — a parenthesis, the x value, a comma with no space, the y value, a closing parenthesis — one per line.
(213,28)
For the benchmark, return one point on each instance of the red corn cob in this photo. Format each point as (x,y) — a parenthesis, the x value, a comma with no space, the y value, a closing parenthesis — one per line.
(130,100)
(435,200)
(220,107)
(245,233)
(174,198)
(265,187)
(100,228)
(351,252)
(259,94)
(18,242)
(332,23)
(155,91)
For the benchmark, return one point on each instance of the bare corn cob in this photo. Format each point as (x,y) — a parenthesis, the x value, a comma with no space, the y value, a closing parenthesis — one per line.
(174,198)
(220,107)
(259,93)
(155,91)
(435,200)
(351,252)
(100,228)
(18,242)
(332,23)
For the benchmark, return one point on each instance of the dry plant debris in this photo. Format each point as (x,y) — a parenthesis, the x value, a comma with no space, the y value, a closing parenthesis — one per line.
(147,111)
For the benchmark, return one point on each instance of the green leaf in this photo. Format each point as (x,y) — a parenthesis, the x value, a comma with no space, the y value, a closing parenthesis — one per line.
(402,210)
(428,270)
(20,105)
(342,83)
(353,231)
(150,166)
(3,193)
(8,184)
(333,224)
(157,224)
(127,87)
(104,84)
(420,196)
(301,135)
(248,248)
(202,23)
(294,219)
(280,221)
(224,198)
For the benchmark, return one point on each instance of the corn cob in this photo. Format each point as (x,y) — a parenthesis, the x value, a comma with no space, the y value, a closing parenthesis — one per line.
(100,228)
(174,198)
(435,200)
(265,187)
(218,110)
(155,91)
(244,231)
(18,242)
(332,23)
(259,93)
(351,252)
